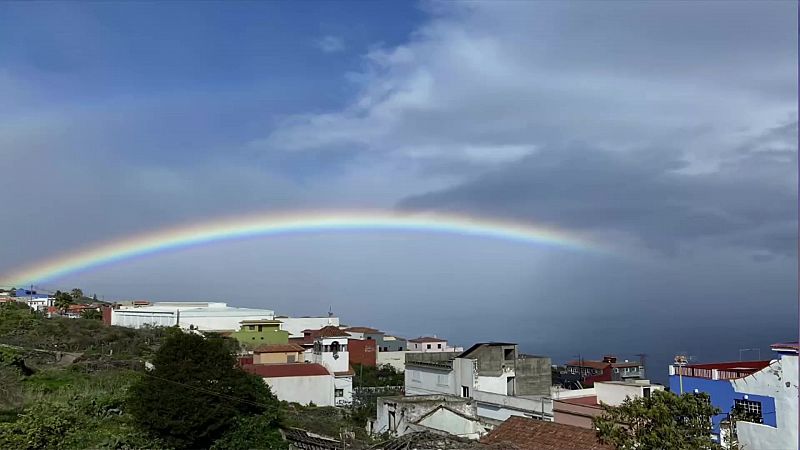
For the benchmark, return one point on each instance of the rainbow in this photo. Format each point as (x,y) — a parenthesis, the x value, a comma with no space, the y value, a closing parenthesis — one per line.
(280,224)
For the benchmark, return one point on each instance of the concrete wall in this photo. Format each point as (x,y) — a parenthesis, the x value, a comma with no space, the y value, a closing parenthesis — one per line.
(409,409)
(500,407)
(276,358)
(532,375)
(296,325)
(576,415)
(449,422)
(304,390)
(778,381)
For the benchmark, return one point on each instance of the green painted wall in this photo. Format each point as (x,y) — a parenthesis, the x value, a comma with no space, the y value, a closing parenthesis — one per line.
(254,338)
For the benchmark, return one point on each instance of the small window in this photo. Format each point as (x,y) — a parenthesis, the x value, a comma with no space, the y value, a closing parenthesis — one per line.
(465,391)
(646,392)
(338,393)
(616,369)
(290,358)
(439,346)
(429,346)
(748,410)
(399,349)
(251,327)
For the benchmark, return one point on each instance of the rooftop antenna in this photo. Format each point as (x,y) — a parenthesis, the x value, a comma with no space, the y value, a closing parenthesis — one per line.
(330,314)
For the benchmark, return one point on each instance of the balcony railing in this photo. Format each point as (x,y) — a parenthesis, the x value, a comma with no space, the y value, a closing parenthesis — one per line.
(711,374)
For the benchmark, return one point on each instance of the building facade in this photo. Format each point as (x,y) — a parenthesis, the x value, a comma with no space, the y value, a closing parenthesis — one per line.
(449,414)
(766,390)
(607,369)
(502,382)
(579,407)
(203,316)
(331,351)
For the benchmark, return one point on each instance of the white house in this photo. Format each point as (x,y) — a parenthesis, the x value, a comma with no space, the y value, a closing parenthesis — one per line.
(431,344)
(302,383)
(330,350)
(398,415)
(776,383)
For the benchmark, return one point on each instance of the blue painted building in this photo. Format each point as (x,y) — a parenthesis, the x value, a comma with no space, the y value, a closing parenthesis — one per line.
(715,380)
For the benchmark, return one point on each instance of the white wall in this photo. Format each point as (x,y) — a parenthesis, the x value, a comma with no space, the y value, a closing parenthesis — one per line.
(394,359)
(425,380)
(411,409)
(346,385)
(317,389)
(501,407)
(451,423)
(779,381)
(216,316)
(496,385)
(296,325)
(614,394)
(341,361)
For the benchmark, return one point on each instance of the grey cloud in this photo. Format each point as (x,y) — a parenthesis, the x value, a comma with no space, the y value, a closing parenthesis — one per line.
(749,201)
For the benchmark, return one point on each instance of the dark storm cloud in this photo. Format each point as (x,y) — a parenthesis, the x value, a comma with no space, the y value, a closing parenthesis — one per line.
(748,201)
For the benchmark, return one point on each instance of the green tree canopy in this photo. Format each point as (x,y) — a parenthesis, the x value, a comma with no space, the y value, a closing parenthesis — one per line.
(62,301)
(77,294)
(662,421)
(196,393)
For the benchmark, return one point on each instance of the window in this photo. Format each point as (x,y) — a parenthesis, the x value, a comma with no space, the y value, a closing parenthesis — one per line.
(399,349)
(338,393)
(748,410)
(616,370)
(646,392)
(442,380)
(251,327)
(290,358)
(261,328)
(438,345)
(465,391)
(429,346)
(415,376)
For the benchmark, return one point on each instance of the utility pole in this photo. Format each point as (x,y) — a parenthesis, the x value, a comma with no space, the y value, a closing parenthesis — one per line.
(680,360)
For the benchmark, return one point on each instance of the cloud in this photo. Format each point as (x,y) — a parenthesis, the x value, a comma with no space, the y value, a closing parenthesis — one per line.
(747,202)
(331,44)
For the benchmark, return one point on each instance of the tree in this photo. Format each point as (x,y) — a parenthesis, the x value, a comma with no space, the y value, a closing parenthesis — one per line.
(77,294)
(254,432)
(62,301)
(92,314)
(196,392)
(662,421)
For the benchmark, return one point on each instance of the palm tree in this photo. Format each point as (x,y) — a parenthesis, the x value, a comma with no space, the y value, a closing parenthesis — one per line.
(62,301)
(77,294)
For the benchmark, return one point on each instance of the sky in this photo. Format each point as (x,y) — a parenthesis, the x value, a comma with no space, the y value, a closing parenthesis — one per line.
(665,130)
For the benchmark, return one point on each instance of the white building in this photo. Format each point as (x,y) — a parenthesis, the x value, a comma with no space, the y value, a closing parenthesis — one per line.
(296,325)
(400,415)
(578,407)
(302,383)
(204,316)
(330,350)
(431,344)
(38,303)
(776,383)
(502,383)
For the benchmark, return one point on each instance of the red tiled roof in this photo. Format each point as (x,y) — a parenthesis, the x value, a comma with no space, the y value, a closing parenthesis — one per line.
(530,434)
(363,330)
(423,339)
(732,365)
(286,370)
(278,348)
(590,364)
(330,331)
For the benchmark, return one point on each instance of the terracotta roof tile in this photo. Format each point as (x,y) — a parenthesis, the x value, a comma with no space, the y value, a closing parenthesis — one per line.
(330,331)
(423,339)
(363,330)
(590,364)
(278,348)
(286,370)
(531,434)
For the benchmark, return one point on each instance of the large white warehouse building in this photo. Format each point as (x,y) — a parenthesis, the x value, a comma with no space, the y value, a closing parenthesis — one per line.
(206,316)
